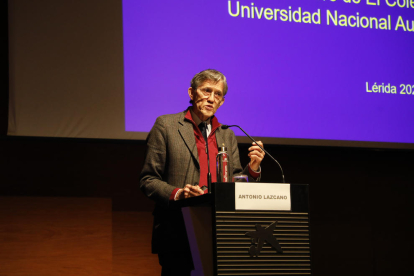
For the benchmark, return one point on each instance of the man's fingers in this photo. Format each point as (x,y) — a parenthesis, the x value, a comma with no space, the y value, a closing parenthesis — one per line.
(256,147)
(197,190)
(194,193)
(257,154)
(258,142)
(191,191)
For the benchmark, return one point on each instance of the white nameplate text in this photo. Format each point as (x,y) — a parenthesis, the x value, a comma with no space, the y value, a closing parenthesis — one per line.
(262,196)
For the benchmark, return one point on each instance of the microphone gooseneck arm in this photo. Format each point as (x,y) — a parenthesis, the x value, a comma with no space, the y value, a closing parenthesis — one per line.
(227,126)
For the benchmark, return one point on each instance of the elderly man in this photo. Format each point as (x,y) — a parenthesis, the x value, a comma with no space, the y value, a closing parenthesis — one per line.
(176,165)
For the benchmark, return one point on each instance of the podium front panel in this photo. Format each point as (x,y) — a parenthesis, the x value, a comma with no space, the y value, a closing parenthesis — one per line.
(261,242)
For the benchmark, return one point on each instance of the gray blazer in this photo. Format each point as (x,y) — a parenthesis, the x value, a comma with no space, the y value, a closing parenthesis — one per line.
(172,162)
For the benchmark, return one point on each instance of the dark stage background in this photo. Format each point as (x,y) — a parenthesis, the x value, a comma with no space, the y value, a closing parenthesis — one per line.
(361,199)
(361,204)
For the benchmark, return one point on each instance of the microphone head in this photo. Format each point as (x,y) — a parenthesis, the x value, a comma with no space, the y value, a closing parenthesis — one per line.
(224,126)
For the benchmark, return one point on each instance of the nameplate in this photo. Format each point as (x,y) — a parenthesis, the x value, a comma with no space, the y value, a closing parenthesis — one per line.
(262,196)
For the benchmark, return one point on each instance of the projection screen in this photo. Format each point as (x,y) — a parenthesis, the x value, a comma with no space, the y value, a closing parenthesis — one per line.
(302,72)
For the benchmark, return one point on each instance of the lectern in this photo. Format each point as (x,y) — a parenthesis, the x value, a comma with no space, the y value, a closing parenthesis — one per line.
(230,236)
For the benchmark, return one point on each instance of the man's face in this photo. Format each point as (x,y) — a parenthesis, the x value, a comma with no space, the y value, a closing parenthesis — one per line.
(207,99)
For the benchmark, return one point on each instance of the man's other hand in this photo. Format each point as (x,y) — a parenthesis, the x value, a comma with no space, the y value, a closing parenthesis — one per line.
(256,155)
(189,191)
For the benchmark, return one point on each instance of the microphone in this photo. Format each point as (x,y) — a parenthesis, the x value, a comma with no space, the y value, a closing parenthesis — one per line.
(227,126)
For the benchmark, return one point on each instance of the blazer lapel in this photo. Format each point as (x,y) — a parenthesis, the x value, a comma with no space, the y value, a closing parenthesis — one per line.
(219,138)
(187,133)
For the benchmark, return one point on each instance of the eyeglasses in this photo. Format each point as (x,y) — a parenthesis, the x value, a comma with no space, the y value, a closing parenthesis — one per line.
(208,91)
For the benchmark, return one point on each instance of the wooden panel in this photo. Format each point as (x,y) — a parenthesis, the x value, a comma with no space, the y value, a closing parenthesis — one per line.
(132,245)
(55,236)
